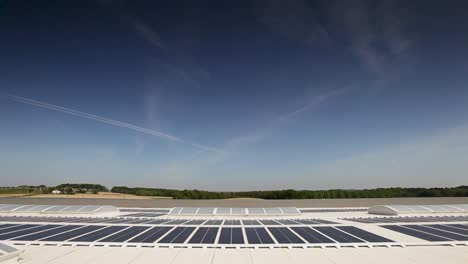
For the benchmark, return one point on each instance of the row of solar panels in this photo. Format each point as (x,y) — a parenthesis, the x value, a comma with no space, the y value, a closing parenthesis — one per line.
(144,210)
(414,219)
(165,221)
(234,211)
(434,233)
(189,235)
(57,209)
(147,215)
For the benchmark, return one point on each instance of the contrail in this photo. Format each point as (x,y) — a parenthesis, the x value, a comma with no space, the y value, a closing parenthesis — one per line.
(106,121)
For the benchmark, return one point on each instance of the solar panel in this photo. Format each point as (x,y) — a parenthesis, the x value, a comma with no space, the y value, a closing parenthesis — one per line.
(223,211)
(204,235)
(16,227)
(367,236)
(175,210)
(26,231)
(125,234)
(289,210)
(151,235)
(258,235)
(213,222)
(96,235)
(306,222)
(450,229)
(231,235)
(415,233)
(195,222)
(178,235)
(205,211)
(284,236)
(311,235)
(238,211)
(250,222)
(438,232)
(189,210)
(232,222)
(269,222)
(273,211)
(337,235)
(73,233)
(256,211)
(286,222)
(47,233)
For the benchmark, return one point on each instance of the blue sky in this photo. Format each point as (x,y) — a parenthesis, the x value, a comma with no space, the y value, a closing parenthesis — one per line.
(256,95)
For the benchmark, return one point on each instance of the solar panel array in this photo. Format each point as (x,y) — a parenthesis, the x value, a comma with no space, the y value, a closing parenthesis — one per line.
(57,209)
(165,221)
(414,219)
(433,233)
(268,211)
(189,235)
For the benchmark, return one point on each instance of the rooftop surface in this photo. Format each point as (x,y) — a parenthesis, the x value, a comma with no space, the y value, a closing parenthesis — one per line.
(319,235)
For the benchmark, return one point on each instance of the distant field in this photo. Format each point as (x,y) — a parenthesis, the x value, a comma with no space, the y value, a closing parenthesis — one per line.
(169,203)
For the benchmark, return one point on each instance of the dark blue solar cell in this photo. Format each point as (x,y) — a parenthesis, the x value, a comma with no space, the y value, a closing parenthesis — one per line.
(71,234)
(306,222)
(252,236)
(178,235)
(311,235)
(288,222)
(16,227)
(269,222)
(321,221)
(151,235)
(197,238)
(451,229)
(337,234)
(47,233)
(367,236)
(195,222)
(125,235)
(6,226)
(210,236)
(237,236)
(225,236)
(213,222)
(465,227)
(438,232)
(96,235)
(284,236)
(176,222)
(157,222)
(27,231)
(250,222)
(415,233)
(265,238)
(232,222)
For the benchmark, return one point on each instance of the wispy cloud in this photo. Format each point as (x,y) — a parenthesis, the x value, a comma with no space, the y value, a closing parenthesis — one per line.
(375,31)
(146,32)
(108,121)
(314,103)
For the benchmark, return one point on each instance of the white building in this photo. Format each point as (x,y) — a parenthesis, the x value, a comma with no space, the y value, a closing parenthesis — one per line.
(56,192)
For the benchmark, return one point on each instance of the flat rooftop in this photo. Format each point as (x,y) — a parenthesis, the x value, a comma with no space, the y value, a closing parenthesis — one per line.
(260,235)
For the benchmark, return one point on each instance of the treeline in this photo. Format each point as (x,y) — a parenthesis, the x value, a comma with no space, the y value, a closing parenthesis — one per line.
(82,186)
(461,191)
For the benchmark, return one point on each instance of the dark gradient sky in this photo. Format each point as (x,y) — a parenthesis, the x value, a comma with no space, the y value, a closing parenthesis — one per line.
(234,95)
